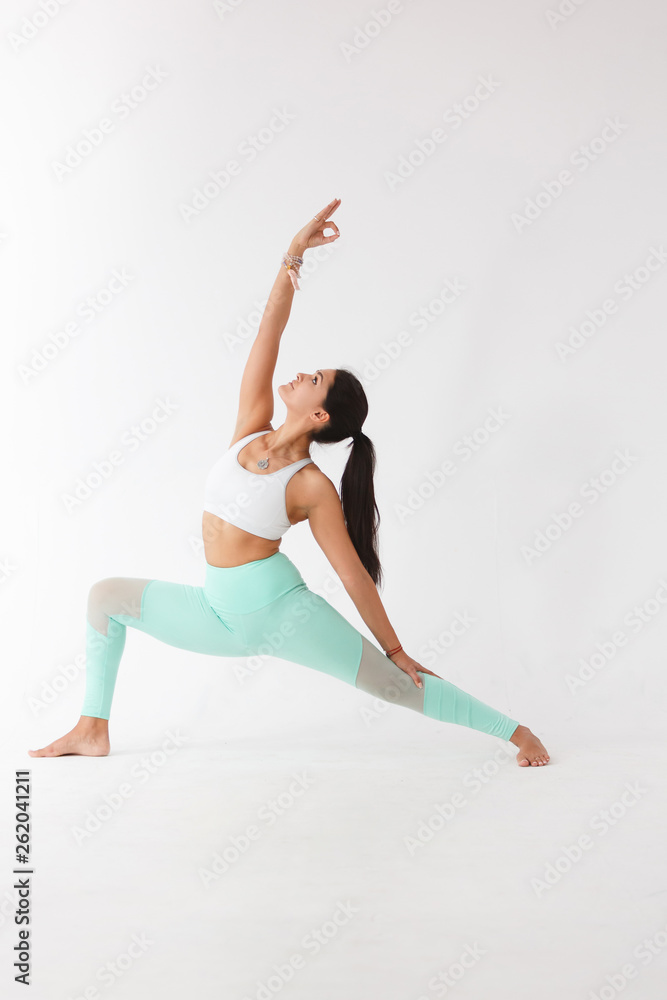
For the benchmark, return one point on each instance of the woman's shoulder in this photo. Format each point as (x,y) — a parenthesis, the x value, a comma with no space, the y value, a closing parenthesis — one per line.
(311,486)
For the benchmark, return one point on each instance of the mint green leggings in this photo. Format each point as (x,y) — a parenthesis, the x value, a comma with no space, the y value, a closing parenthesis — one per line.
(262,607)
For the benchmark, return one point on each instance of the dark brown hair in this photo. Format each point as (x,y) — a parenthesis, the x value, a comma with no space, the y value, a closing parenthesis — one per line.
(347,406)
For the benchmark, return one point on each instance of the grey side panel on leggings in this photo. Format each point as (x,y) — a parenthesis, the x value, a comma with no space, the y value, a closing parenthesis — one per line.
(378,676)
(116,595)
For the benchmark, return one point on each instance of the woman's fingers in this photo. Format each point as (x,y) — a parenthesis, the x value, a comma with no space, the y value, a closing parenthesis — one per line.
(411,672)
(329,209)
(329,225)
(413,668)
(424,670)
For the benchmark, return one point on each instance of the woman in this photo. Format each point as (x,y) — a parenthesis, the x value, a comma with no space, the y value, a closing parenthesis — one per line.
(254,600)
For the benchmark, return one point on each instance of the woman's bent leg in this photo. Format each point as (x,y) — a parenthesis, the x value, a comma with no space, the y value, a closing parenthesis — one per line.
(175,613)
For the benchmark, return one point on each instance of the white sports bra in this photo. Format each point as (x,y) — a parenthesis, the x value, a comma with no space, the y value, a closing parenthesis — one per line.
(250,500)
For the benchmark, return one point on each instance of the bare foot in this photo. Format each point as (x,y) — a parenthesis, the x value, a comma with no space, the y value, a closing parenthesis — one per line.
(90,737)
(531,751)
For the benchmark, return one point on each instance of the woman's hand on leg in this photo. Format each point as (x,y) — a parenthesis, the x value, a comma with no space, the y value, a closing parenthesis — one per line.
(411,667)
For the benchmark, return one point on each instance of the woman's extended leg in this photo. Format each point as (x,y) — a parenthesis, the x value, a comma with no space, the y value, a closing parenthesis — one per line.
(442,700)
(304,628)
(175,613)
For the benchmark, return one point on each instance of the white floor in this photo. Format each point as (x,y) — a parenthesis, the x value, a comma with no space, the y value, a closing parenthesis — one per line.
(329,891)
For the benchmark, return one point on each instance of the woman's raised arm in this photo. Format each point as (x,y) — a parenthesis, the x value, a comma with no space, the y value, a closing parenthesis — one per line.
(256,393)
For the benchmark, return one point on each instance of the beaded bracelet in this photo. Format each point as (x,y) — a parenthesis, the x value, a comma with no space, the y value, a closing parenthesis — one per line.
(392,652)
(293,265)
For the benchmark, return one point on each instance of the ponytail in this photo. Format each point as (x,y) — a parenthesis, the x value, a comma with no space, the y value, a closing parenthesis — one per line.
(347,406)
(357,495)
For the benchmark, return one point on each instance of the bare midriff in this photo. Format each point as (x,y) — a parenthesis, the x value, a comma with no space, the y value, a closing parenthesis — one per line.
(226,544)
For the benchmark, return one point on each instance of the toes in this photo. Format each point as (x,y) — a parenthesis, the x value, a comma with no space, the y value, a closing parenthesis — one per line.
(539,760)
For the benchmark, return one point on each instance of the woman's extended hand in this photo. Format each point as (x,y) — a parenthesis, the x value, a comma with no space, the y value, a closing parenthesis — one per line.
(312,234)
(410,666)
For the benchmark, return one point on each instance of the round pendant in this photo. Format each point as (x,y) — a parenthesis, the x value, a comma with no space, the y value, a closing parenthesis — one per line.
(263,463)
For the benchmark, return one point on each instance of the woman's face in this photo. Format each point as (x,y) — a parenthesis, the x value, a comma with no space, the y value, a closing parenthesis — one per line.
(306,392)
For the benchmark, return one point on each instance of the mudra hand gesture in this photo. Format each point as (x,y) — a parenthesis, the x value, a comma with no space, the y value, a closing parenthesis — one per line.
(312,234)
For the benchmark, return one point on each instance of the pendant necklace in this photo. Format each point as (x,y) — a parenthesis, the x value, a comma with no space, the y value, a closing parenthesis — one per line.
(263,463)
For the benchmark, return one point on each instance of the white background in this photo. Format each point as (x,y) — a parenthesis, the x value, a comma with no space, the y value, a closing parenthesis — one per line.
(361,100)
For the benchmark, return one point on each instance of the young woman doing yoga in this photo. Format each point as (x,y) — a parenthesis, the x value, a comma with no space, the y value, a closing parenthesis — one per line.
(252,593)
